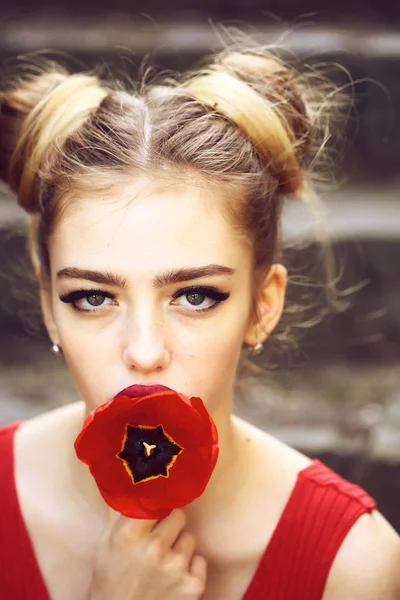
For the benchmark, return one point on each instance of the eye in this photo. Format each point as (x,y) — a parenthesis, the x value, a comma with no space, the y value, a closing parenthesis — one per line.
(88,300)
(195,298)
(200,299)
(95,299)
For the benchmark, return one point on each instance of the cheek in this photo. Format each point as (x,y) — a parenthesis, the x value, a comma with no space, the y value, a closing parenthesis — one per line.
(87,371)
(219,370)
(89,362)
(210,361)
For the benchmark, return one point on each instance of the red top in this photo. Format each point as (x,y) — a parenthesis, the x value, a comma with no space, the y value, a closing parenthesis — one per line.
(320,511)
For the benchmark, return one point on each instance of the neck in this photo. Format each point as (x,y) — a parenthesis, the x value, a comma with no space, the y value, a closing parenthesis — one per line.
(227,477)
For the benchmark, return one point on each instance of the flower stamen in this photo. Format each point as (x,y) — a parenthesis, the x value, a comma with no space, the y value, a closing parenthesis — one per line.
(149,448)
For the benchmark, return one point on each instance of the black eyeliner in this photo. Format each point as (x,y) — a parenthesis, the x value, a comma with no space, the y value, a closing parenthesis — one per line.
(71,297)
(208,291)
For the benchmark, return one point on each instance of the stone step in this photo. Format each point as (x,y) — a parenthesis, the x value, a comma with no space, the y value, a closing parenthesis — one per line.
(116,32)
(350,13)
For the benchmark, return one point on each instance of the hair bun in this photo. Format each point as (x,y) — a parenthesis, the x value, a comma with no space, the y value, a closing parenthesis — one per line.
(16,103)
(37,112)
(260,96)
(278,84)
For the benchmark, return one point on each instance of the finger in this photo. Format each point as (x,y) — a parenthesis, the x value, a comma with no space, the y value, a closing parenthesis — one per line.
(113,517)
(185,546)
(167,530)
(134,529)
(198,568)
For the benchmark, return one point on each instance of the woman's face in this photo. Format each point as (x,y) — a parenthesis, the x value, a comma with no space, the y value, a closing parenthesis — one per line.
(150,286)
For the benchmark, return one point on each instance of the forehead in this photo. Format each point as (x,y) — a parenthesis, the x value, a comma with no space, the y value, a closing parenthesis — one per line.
(147,227)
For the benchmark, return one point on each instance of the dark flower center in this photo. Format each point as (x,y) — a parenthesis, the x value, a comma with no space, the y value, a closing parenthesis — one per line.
(148,452)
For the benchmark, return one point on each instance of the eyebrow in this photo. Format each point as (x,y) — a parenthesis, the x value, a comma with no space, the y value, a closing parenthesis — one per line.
(168,278)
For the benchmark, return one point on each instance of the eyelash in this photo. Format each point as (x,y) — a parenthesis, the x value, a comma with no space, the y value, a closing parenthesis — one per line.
(208,291)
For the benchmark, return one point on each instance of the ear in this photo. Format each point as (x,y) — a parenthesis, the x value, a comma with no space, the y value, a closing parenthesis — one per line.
(46,301)
(269,305)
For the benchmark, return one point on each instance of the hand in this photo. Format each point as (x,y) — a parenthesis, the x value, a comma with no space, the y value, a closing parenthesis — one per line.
(148,560)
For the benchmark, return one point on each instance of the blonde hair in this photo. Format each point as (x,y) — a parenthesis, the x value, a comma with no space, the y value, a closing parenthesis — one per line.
(49,124)
(246,121)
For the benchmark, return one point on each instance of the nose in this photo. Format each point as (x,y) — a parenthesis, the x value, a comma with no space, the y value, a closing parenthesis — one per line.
(144,348)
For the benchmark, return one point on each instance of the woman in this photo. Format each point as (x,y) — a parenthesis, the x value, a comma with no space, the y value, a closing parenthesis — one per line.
(154,235)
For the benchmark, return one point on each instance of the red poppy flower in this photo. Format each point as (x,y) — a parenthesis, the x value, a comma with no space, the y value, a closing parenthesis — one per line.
(150,453)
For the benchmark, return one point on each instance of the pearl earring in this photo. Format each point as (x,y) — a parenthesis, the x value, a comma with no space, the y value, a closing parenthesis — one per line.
(256,350)
(56,349)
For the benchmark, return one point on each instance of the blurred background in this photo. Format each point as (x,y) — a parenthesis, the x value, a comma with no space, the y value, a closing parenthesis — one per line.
(337,395)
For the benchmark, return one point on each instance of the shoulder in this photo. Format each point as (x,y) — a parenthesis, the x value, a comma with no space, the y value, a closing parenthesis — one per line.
(49,430)
(43,449)
(42,444)
(367,566)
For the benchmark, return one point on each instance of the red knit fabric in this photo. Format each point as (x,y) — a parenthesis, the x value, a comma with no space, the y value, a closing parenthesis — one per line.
(295,565)
(20,577)
(319,514)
